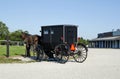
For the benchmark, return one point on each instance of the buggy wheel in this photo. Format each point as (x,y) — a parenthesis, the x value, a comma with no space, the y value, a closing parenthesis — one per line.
(65,57)
(61,53)
(80,54)
(40,53)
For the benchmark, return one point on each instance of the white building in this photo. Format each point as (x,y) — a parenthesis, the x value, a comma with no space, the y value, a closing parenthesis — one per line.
(106,40)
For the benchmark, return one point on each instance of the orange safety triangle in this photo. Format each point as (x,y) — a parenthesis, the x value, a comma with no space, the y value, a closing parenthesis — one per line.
(72,48)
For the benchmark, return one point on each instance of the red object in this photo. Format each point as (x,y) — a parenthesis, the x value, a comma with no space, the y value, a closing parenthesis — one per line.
(78,38)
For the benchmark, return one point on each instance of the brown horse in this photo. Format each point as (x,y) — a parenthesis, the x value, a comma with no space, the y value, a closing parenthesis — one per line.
(31,40)
(34,41)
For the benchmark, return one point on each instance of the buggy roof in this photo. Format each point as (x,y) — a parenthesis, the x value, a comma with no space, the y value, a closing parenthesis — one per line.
(60,25)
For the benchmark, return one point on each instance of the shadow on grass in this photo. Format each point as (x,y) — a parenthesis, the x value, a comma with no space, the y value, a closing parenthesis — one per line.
(4,59)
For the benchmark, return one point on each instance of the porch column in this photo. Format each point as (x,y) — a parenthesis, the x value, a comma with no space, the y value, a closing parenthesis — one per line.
(105,44)
(110,43)
(98,44)
(95,44)
(113,43)
(101,44)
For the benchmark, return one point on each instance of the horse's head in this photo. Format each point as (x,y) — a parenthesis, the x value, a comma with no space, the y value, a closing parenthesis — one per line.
(24,37)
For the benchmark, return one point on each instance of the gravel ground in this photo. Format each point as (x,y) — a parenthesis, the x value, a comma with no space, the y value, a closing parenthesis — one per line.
(100,64)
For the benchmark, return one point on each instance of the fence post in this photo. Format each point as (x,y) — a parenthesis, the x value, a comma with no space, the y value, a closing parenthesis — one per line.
(7,46)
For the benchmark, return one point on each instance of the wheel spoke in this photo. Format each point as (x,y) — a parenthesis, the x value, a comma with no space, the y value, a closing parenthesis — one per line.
(61,53)
(80,54)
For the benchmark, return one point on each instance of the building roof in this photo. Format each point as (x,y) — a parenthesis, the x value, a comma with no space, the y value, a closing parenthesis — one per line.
(106,38)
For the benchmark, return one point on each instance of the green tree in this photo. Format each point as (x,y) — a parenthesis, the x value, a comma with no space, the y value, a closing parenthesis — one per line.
(84,41)
(3,31)
(26,32)
(16,35)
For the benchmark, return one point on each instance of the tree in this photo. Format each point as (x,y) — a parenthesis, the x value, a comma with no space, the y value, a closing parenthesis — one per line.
(84,41)
(3,31)
(26,32)
(16,35)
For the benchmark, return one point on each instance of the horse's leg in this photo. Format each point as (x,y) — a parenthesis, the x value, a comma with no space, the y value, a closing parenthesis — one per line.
(25,50)
(37,55)
(36,49)
(28,50)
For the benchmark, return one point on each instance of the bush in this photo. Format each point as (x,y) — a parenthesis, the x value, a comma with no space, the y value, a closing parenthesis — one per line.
(2,42)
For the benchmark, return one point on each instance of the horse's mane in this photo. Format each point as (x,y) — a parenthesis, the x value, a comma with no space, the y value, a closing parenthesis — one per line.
(30,34)
(31,38)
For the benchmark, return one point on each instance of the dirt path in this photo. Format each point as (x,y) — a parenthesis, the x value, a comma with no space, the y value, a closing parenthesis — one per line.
(100,64)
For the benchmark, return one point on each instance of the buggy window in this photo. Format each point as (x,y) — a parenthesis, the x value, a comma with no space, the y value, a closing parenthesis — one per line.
(52,32)
(46,32)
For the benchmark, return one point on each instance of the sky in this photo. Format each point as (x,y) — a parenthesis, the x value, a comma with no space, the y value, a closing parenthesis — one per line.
(92,16)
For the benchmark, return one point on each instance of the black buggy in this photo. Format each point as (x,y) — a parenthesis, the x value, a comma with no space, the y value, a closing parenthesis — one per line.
(60,43)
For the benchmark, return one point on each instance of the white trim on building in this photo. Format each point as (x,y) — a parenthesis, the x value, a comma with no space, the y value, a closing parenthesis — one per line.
(106,42)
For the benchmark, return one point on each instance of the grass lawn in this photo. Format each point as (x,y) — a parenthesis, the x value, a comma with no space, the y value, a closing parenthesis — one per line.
(14,50)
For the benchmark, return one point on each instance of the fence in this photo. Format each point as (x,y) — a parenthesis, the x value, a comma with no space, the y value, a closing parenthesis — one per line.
(18,43)
(8,43)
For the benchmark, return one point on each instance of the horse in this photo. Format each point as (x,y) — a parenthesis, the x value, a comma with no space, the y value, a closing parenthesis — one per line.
(31,40)
(34,41)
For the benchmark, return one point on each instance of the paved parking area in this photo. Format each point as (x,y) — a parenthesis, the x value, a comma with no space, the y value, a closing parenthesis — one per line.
(100,64)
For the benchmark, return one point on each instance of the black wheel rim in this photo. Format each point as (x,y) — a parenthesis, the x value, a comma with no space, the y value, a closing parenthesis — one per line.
(65,57)
(61,53)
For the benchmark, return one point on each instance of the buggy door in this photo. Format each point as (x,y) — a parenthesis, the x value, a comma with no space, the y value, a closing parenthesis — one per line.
(70,34)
